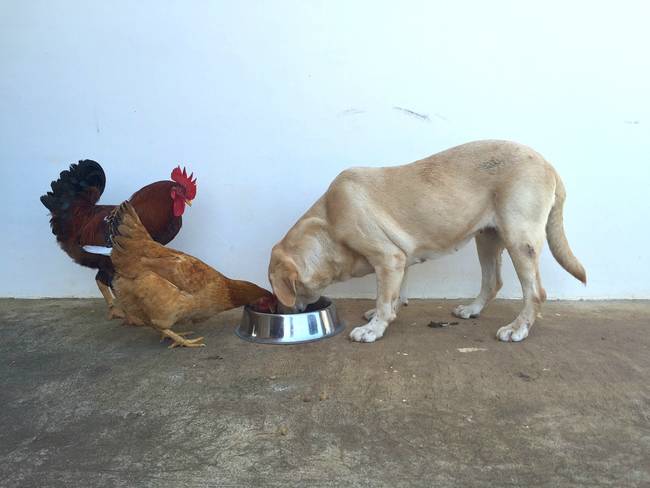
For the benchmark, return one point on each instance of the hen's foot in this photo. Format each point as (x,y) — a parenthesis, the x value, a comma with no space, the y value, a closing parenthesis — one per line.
(115,312)
(178,339)
(131,321)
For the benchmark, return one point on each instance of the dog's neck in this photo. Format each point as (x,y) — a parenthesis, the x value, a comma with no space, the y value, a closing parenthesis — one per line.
(343,262)
(334,260)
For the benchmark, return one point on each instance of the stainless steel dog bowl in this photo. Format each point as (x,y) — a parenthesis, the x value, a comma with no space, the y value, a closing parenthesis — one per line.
(317,322)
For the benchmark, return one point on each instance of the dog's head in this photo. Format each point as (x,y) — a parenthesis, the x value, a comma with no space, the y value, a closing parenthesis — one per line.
(299,270)
(290,283)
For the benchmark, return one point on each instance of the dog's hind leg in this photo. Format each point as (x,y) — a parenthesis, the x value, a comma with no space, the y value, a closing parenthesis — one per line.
(390,274)
(402,300)
(489,246)
(522,211)
(524,253)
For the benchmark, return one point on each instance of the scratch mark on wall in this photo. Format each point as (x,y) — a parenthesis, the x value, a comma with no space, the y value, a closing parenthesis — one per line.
(419,116)
(351,111)
(632,122)
(96,121)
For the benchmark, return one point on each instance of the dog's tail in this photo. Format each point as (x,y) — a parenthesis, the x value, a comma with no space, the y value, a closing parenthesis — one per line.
(557,239)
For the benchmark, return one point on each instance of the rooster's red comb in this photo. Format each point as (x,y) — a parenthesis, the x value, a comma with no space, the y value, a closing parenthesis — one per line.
(188,183)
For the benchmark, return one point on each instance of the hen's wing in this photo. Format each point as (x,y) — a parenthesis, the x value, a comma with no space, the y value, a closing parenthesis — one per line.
(183,271)
(153,299)
(135,253)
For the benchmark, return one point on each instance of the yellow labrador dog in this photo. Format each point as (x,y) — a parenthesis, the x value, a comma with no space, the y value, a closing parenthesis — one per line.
(383,220)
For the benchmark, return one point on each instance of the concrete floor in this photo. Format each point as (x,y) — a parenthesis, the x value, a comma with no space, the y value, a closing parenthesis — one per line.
(89,403)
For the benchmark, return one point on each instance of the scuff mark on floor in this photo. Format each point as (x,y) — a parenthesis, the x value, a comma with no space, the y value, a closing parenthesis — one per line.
(471,349)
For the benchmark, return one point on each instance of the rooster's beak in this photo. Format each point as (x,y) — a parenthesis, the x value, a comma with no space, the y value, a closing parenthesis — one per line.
(189,202)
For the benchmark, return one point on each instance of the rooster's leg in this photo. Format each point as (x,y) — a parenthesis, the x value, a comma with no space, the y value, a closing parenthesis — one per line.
(179,340)
(114,311)
(106,292)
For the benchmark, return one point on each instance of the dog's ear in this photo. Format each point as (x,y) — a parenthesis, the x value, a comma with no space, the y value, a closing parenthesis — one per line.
(283,281)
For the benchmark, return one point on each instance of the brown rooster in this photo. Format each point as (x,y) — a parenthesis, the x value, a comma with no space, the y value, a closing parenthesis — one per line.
(77,221)
(159,287)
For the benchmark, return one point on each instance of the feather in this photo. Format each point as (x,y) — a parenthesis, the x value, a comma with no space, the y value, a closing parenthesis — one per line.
(106,251)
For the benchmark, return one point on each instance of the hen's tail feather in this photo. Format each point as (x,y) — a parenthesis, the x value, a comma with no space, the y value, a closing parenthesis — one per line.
(124,226)
(83,183)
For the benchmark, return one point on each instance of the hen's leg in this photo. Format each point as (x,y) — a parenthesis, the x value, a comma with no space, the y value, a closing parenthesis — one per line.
(164,336)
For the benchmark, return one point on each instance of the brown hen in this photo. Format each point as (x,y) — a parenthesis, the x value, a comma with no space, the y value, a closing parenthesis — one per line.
(160,287)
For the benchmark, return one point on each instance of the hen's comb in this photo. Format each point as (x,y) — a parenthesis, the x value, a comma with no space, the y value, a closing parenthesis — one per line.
(188,183)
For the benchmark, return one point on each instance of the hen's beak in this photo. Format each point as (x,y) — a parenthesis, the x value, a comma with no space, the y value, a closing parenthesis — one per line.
(189,202)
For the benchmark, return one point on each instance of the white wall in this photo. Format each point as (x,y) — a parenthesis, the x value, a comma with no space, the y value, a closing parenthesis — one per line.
(267,101)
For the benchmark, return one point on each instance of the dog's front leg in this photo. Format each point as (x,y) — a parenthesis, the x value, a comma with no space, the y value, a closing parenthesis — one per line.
(389,280)
(397,304)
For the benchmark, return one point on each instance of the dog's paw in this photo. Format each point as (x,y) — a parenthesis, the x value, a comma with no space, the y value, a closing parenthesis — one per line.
(369,315)
(366,333)
(512,333)
(470,311)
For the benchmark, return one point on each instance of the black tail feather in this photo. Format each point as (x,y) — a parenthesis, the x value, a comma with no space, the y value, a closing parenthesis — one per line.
(72,198)
(81,177)
(82,184)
